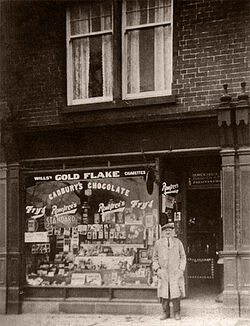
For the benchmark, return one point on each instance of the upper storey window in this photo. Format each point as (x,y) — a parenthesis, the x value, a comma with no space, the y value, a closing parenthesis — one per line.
(90,53)
(147,66)
(141,31)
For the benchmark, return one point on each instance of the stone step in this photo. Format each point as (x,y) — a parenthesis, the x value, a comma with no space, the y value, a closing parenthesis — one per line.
(190,307)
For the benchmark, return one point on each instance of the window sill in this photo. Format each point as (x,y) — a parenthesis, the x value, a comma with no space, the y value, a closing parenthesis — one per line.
(120,104)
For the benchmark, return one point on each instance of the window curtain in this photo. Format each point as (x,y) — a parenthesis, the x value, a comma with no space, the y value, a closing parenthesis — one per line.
(80,56)
(107,65)
(107,53)
(133,68)
(163,48)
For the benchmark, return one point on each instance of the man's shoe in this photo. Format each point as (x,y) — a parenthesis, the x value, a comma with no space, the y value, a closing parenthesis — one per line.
(177,316)
(164,316)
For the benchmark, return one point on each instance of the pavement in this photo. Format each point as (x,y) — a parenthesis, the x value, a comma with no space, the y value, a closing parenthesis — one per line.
(116,320)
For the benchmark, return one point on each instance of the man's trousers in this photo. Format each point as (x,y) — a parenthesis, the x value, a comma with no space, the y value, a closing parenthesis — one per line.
(166,305)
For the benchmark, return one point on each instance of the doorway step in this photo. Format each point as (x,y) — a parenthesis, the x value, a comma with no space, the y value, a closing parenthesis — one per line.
(203,306)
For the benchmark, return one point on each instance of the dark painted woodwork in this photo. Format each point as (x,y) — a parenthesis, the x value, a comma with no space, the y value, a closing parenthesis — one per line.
(245,208)
(3,236)
(120,139)
(228,209)
(118,104)
(229,253)
(117,56)
(244,229)
(10,235)
(110,293)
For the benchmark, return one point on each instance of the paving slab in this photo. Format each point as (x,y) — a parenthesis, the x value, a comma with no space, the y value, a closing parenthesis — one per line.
(115,320)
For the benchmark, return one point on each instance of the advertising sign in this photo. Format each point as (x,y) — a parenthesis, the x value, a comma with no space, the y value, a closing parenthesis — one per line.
(109,198)
(204,178)
(30,237)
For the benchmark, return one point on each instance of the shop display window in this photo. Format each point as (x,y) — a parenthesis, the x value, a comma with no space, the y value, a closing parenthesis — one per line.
(93,228)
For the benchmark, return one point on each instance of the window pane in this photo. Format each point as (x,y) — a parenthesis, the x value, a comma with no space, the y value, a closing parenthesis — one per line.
(163,10)
(92,56)
(107,16)
(80,20)
(143,12)
(96,17)
(133,17)
(149,63)
(80,68)
(167,10)
(140,61)
(76,56)
(151,10)
(95,71)
(163,58)
(146,59)
(91,17)
(92,67)
(133,73)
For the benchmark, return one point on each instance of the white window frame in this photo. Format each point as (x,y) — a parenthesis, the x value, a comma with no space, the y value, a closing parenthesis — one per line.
(147,94)
(69,62)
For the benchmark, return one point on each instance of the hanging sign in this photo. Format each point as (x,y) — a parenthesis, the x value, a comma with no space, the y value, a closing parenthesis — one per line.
(168,189)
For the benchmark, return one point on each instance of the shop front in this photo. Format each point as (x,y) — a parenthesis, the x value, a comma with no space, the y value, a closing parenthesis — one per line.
(89,233)
(90,209)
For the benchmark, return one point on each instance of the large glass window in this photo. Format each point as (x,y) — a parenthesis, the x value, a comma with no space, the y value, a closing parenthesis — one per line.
(90,228)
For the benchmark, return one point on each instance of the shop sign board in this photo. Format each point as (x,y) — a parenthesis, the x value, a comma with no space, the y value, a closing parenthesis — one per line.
(204,178)
(90,175)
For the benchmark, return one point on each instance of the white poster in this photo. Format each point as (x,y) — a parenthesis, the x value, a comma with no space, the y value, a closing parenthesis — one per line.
(30,237)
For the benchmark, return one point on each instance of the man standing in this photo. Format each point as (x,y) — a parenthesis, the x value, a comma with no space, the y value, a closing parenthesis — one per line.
(169,260)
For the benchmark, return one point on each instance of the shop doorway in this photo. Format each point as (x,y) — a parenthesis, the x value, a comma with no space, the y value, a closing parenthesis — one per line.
(204,241)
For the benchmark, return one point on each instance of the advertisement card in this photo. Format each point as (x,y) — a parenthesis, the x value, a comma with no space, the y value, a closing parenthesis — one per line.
(135,234)
(30,237)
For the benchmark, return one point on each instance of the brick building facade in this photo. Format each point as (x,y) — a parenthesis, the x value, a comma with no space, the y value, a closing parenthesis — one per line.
(196,126)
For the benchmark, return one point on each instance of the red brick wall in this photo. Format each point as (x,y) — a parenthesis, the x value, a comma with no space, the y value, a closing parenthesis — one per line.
(210,49)
(36,49)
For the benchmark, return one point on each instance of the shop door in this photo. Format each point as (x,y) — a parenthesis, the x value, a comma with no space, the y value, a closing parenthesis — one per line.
(204,240)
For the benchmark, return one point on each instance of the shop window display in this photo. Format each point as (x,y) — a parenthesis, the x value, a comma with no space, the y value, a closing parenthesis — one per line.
(90,229)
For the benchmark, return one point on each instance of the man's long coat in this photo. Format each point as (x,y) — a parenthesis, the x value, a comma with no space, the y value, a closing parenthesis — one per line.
(171,262)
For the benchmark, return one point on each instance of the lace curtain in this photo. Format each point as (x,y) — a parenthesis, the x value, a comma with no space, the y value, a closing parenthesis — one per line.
(84,75)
